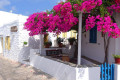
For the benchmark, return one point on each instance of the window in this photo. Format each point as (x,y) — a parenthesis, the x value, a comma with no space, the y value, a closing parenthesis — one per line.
(73,34)
(7,43)
(93,35)
(64,35)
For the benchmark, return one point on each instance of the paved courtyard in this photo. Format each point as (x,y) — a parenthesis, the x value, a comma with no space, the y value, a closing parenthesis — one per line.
(11,70)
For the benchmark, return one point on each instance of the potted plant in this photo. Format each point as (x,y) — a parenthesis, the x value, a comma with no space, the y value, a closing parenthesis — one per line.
(117,59)
(59,41)
(47,44)
(25,43)
(71,40)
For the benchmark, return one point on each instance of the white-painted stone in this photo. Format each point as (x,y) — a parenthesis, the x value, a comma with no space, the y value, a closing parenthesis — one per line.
(63,71)
(17,51)
(117,72)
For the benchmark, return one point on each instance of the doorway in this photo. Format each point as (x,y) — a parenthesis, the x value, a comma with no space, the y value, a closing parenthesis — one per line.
(1,45)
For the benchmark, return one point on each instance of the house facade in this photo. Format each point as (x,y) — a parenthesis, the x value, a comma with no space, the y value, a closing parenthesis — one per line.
(13,36)
(95,49)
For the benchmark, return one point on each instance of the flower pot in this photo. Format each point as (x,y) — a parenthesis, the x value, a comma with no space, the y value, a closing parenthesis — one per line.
(71,43)
(47,46)
(60,44)
(117,60)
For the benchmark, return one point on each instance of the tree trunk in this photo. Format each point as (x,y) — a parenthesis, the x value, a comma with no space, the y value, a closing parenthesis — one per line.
(106,56)
(106,47)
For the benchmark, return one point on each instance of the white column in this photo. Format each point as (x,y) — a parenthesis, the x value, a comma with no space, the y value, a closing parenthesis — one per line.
(79,38)
(41,43)
(117,72)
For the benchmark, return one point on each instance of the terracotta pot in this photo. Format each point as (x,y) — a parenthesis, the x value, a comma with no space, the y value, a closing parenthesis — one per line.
(60,44)
(117,60)
(47,46)
(71,43)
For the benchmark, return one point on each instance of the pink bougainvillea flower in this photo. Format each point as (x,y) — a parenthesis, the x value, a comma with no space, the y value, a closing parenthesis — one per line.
(87,5)
(104,25)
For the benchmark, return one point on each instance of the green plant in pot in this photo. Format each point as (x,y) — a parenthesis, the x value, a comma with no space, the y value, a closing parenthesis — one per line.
(71,40)
(59,41)
(25,43)
(47,44)
(117,59)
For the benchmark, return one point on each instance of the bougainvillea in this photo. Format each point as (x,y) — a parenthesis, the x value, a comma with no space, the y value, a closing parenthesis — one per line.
(90,22)
(87,5)
(117,1)
(63,19)
(104,25)
(114,7)
(62,9)
(36,23)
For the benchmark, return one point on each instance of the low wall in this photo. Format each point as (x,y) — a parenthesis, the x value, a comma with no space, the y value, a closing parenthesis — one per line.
(63,70)
(117,72)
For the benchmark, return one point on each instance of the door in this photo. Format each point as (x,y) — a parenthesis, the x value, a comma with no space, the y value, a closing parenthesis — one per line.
(1,45)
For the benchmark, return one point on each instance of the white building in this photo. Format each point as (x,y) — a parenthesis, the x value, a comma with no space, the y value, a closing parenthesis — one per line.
(95,50)
(13,36)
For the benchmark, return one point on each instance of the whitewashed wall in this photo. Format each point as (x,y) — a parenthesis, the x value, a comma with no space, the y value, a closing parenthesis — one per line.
(96,50)
(62,71)
(117,72)
(16,45)
(117,43)
(14,51)
(1,50)
(23,37)
(7,17)
(19,52)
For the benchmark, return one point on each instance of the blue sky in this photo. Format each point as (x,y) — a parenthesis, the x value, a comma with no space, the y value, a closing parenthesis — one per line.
(27,7)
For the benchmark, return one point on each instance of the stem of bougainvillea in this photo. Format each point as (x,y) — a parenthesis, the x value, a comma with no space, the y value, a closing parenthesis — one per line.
(106,48)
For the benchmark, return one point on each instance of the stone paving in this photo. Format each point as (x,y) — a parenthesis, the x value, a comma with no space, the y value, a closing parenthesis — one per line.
(11,70)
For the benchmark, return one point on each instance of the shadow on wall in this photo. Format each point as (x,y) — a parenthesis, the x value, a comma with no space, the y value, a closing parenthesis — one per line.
(33,43)
(25,49)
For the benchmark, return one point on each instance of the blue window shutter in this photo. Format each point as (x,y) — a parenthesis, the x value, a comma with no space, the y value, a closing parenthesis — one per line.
(93,35)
